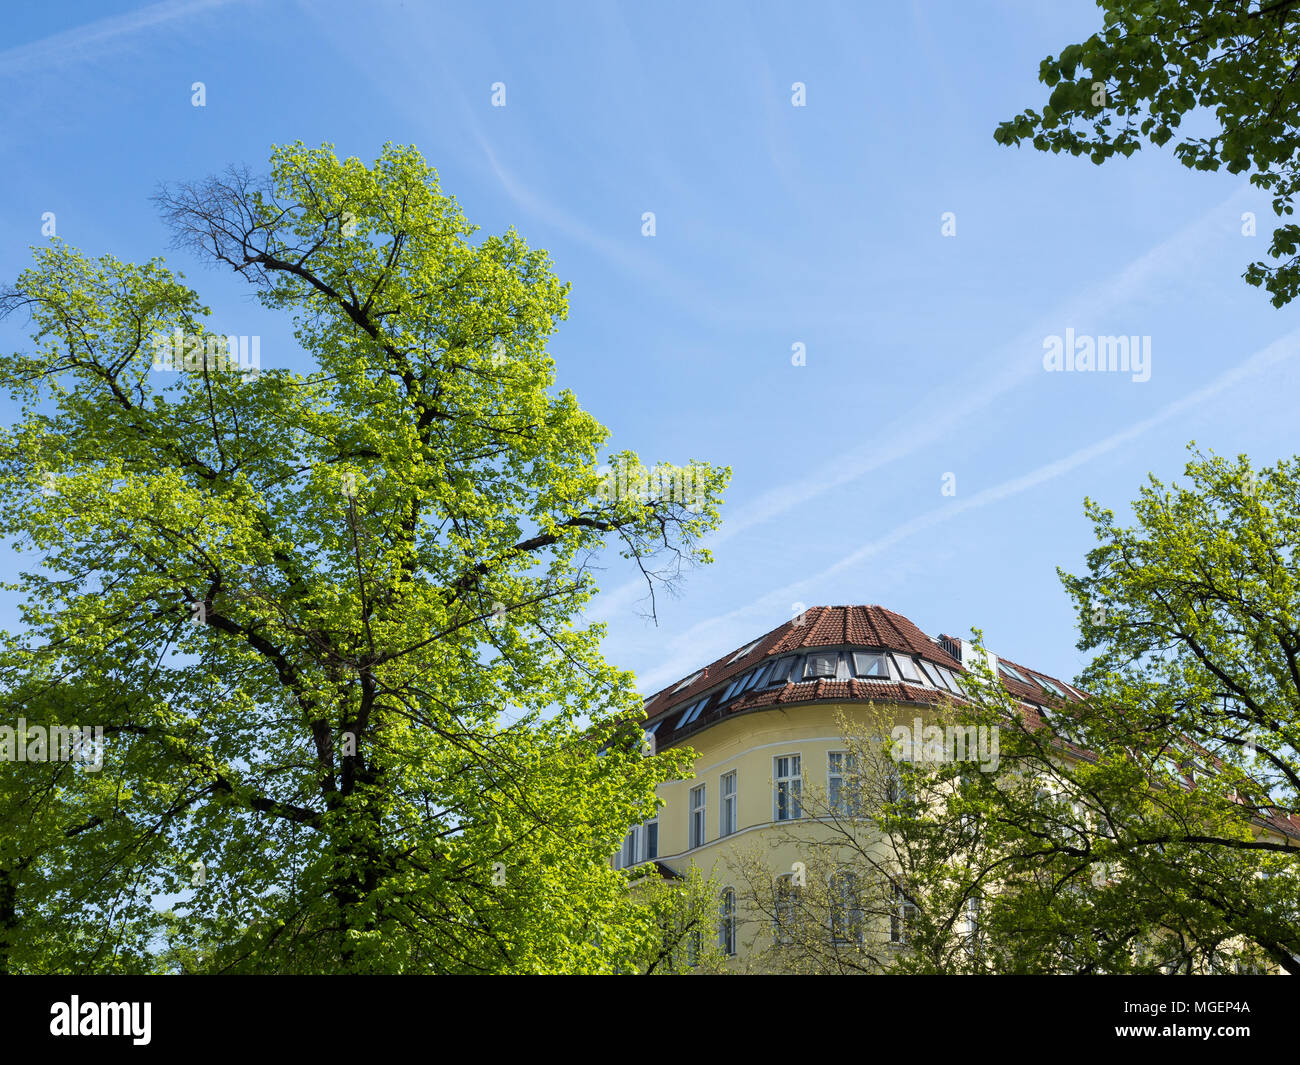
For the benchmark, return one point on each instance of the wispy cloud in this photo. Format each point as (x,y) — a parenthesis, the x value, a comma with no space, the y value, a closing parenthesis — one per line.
(97,38)
(931,421)
(709,638)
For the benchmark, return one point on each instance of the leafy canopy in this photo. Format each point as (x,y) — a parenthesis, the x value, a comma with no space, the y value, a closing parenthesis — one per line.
(1230,66)
(328,620)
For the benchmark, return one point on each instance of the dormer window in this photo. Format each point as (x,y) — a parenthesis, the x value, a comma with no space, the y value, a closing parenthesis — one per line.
(932,674)
(693,712)
(907,667)
(780,672)
(821,666)
(870,665)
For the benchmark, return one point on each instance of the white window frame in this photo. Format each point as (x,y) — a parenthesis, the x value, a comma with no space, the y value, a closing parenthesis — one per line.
(728,804)
(845,805)
(916,677)
(972,919)
(781,784)
(787,907)
(879,656)
(698,824)
(834,663)
(727,922)
(904,912)
(847,907)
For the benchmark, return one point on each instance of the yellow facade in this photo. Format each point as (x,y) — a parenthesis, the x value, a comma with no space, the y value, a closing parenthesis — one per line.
(748,745)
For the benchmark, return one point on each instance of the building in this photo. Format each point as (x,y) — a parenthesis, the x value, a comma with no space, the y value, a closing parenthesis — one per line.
(763,721)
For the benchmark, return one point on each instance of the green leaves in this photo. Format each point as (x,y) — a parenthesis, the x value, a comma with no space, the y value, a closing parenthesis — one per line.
(335,610)
(1163,59)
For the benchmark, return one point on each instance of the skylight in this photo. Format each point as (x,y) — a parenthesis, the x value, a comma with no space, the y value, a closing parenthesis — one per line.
(1012,672)
(737,685)
(689,681)
(744,651)
(1049,686)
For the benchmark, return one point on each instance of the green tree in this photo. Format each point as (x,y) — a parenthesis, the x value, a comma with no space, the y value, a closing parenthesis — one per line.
(328,620)
(1153,826)
(1231,66)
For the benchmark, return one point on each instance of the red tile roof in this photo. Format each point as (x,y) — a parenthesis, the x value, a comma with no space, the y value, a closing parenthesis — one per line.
(819,626)
(868,627)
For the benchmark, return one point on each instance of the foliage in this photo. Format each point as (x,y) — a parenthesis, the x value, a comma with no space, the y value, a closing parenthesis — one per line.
(1231,67)
(327,620)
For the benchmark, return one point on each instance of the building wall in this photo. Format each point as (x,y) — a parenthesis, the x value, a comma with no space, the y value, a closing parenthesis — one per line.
(748,743)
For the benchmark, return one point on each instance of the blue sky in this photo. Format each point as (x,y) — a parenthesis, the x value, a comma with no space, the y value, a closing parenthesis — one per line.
(775,225)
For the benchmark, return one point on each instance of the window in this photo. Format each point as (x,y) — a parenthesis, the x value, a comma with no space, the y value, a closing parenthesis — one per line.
(907,667)
(639,845)
(841,789)
(694,944)
(950,680)
(744,651)
(780,672)
(902,918)
(697,817)
(654,728)
(627,856)
(693,712)
(788,779)
(785,908)
(958,683)
(1012,672)
(821,666)
(689,681)
(734,688)
(896,789)
(869,664)
(727,807)
(1047,685)
(846,909)
(932,674)
(727,923)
